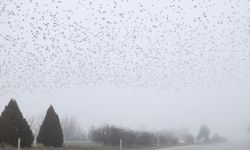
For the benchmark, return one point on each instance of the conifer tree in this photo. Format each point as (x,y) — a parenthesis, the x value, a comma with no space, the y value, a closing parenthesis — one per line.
(204,134)
(14,126)
(50,133)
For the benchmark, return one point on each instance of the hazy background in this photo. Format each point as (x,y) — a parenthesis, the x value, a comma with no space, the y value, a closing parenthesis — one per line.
(150,65)
(226,114)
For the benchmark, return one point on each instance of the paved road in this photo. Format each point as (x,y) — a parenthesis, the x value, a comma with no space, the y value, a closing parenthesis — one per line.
(227,146)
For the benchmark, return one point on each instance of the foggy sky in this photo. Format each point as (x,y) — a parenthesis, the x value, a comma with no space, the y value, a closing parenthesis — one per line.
(149,65)
(226,114)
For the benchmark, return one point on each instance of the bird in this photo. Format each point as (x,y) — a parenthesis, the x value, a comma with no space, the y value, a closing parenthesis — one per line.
(156,45)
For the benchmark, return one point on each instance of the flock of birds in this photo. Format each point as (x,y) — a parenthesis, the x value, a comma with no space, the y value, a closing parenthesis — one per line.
(155,44)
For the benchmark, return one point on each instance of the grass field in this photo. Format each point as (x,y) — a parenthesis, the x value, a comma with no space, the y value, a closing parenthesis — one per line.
(79,147)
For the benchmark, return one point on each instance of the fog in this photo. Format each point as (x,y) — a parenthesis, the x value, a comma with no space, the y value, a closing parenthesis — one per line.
(226,114)
(151,65)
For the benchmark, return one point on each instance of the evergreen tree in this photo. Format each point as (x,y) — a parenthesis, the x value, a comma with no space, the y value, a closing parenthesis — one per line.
(204,134)
(14,126)
(50,133)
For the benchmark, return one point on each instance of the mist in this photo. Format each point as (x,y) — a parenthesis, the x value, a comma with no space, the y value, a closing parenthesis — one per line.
(145,65)
(224,113)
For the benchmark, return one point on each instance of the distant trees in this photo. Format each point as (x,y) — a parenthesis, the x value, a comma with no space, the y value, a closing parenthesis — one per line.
(111,135)
(203,136)
(218,139)
(106,134)
(168,137)
(13,126)
(145,138)
(184,137)
(204,133)
(189,139)
(51,133)
(129,137)
(72,130)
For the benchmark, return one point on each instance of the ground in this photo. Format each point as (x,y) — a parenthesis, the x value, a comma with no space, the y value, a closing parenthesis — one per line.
(79,147)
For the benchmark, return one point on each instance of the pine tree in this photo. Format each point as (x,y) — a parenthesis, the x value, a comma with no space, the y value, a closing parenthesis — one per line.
(50,133)
(14,126)
(204,134)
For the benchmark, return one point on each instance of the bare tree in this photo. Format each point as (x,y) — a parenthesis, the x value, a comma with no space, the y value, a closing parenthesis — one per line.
(35,123)
(72,130)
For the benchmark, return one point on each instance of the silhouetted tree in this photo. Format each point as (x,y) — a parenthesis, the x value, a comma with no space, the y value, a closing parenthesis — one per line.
(145,138)
(203,135)
(115,135)
(111,135)
(100,134)
(107,135)
(14,126)
(129,137)
(50,133)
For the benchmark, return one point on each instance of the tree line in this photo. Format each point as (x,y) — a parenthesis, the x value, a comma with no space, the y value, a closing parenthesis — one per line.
(111,135)
(50,132)
(204,136)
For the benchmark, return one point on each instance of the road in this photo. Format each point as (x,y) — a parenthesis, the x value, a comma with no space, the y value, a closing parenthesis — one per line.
(226,146)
